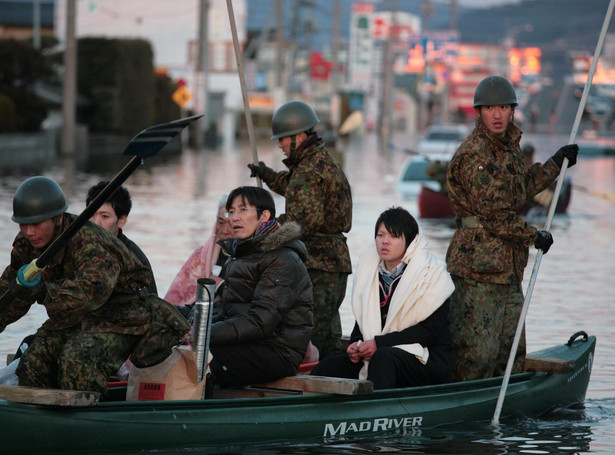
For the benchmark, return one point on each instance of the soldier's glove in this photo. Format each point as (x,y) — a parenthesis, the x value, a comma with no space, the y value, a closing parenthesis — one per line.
(23,289)
(543,241)
(569,151)
(260,170)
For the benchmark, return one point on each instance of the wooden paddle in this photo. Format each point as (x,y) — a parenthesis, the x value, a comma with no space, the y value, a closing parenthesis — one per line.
(577,121)
(145,144)
(244,90)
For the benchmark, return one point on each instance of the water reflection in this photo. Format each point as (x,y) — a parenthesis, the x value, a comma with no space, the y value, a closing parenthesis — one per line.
(174,203)
(560,432)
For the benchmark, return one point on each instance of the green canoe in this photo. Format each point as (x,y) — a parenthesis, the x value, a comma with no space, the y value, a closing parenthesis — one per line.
(126,426)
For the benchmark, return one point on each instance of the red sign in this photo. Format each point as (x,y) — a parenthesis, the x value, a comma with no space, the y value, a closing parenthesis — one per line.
(319,67)
(151,391)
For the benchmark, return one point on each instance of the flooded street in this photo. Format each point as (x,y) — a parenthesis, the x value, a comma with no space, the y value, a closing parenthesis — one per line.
(174,204)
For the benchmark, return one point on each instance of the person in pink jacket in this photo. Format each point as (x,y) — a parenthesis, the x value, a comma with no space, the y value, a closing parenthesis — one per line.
(207,261)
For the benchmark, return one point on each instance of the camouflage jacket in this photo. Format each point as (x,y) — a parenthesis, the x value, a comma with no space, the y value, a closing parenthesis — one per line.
(92,283)
(486,179)
(318,197)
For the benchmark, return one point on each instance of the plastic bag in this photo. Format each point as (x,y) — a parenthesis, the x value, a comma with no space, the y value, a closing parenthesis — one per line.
(175,378)
(7,374)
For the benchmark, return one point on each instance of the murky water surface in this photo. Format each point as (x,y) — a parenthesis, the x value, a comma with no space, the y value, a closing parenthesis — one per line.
(174,201)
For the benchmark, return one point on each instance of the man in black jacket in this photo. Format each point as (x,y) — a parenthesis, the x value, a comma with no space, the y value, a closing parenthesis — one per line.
(266,323)
(113,215)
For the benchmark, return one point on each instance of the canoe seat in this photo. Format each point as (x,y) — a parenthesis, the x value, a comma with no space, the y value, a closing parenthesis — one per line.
(301,384)
(52,397)
(548,364)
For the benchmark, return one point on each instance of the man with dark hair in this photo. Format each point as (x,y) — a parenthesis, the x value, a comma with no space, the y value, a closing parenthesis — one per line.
(113,215)
(401,337)
(487,186)
(318,197)
(265,327)
(90,292)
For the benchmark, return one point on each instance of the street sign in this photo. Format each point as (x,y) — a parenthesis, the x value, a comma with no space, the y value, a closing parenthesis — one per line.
(181,96)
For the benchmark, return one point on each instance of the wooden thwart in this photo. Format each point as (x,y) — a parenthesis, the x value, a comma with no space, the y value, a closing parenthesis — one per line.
(301,384)
(321,384)
(54,397)
(548,364)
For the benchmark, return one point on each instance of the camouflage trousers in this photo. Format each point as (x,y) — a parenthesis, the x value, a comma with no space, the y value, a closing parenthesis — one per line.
(329,290)
(483,322)
(72,359)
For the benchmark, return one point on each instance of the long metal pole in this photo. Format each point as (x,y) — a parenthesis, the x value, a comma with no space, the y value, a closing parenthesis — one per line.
(244,91)
(558,187)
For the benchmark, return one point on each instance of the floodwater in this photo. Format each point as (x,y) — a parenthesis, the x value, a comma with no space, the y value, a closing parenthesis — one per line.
(174,205)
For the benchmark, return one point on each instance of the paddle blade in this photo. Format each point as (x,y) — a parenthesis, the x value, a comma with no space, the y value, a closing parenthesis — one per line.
(151,140)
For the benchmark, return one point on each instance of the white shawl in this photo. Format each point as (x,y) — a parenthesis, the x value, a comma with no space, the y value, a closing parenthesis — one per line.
(423,287)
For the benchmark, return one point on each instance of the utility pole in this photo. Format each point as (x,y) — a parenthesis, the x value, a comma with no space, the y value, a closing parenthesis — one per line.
(69,88)
(203,70)
(454,11)
(387,82)
(334,114)
(427,10)
(280,43)
(36,23)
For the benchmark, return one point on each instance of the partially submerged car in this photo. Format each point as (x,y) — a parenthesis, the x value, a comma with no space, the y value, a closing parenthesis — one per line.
(414,174)
(442,139)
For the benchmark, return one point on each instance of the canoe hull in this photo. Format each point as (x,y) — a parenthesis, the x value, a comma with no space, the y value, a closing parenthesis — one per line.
(127,426)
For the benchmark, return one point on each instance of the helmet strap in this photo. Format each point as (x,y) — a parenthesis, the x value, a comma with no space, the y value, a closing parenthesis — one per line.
(58,225)
(293,145)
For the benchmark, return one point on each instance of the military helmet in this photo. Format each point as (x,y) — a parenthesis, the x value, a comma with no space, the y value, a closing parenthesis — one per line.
(293,118)
(494,90)
(38,199)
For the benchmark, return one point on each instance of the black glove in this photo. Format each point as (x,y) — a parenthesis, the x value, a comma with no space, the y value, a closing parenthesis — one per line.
(25,292)
(543,241)
(259,170)
(569,151)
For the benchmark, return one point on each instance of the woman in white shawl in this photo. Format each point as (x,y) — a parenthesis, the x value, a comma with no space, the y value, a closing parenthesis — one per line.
(400,302)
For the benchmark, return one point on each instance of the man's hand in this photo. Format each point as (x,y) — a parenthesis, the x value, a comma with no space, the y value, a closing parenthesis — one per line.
(543,241)
(26,292)
(259,170)
(353,352)
(567,151)
(367,349)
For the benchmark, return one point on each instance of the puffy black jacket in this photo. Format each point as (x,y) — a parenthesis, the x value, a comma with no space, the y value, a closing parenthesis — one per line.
(268,294)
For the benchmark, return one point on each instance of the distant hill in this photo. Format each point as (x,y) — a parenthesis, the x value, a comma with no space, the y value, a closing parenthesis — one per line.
(557,27)
(556,24)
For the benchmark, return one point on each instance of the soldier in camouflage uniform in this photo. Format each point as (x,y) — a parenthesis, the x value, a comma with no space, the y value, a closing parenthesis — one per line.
(89,291)
(487,186)
(318,197)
